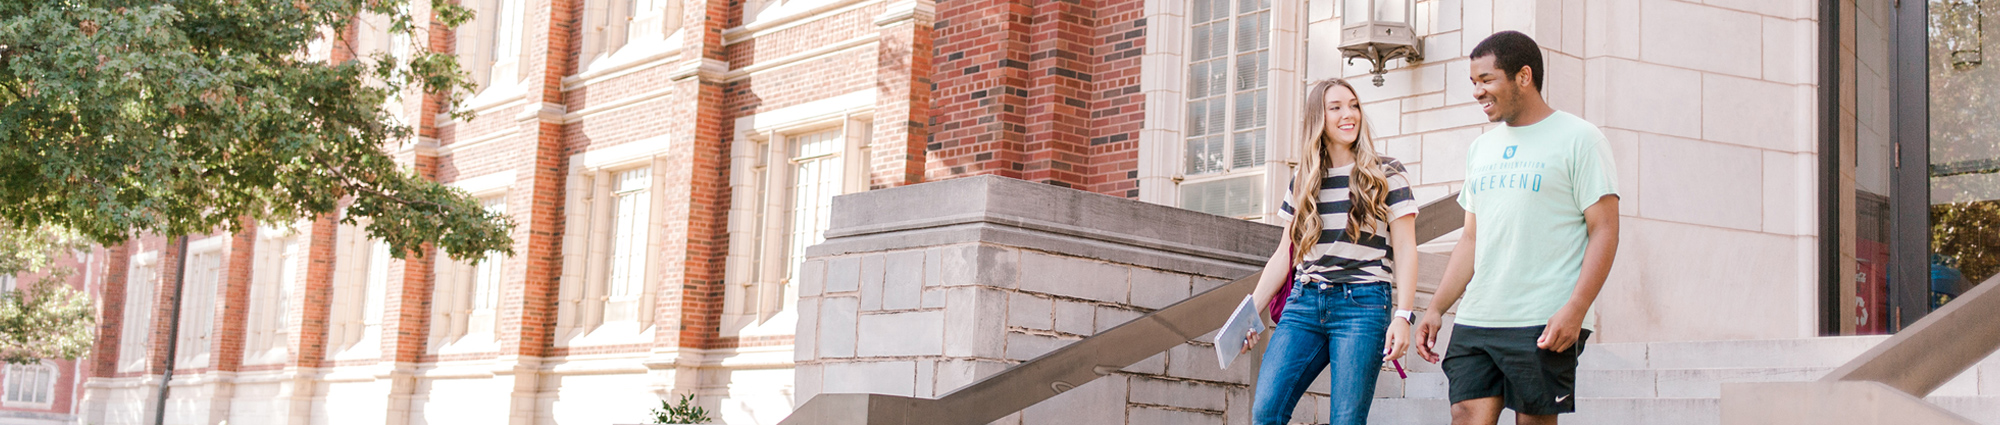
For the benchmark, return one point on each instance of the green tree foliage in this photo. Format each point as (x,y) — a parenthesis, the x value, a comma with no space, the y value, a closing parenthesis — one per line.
(684,413)
(183,117)
(45,318)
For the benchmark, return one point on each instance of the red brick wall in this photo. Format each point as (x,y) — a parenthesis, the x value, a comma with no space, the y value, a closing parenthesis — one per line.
(1118,109)
(1042,91)
(902,103)
(688,300)
(110,292)
(232,298)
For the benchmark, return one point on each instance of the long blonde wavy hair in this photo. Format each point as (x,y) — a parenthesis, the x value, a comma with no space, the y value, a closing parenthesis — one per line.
(1368,184)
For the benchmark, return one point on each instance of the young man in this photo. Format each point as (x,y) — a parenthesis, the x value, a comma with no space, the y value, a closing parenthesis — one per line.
(1541,228)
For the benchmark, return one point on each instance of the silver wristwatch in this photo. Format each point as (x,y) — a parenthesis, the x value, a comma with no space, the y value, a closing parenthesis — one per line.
(1408,316)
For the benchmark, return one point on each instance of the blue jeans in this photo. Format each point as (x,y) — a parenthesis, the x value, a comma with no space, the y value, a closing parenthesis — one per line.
(1341,325)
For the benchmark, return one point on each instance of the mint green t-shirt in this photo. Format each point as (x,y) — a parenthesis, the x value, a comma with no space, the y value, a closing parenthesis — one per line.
(1528,186)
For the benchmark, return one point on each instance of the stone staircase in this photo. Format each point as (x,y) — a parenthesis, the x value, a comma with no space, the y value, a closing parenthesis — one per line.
(1677,383)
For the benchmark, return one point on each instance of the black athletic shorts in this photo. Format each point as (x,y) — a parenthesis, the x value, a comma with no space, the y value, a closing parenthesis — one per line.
(1505,363)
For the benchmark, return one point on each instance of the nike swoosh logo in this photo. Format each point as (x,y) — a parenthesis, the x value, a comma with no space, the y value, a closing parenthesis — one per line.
(1560,399)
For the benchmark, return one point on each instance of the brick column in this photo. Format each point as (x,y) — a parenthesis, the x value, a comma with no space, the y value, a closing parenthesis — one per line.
(306,317)
(979,111)
(232,300)
(1118,109)
(903,94)
(688,301)
(406,293)
(535,202)
(111,311)
(1057,149)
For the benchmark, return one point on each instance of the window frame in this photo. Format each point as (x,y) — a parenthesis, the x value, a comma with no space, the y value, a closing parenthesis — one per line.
(136,335)
(608,42)
(46,385)
(355,322)
(276,267)
(457,325)
(584,295)
(198,294)
(1163,136)
(495,78)
(760,297)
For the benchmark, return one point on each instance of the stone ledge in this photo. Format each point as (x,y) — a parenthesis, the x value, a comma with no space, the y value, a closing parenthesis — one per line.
(1048,218)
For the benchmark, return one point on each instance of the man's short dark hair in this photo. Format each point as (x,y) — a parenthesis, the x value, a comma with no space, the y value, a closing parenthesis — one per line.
(1512,50)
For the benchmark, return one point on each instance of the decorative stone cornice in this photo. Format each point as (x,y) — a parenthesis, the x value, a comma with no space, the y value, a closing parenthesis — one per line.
(548,112)
(422,146)
(920,11)
(705,68)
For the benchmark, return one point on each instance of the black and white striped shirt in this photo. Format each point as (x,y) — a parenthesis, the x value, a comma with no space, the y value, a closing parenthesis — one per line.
(1337,258)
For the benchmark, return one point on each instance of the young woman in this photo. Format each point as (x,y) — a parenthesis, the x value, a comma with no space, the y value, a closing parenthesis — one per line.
(1350,242)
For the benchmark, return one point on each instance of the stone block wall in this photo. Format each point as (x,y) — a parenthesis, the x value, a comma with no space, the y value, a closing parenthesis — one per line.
(929,288)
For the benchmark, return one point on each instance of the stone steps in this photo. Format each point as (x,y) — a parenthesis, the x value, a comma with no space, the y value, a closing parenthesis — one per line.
(1681,382)
(1638,410)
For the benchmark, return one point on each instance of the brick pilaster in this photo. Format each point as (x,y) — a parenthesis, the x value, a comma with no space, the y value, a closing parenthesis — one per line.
(171,253)
(232,296)
(979,109)
(1058,107)
(688,302)
(1118,109)
(903,95)
(307,315)
(1042,91)
(535,201)
(111,311)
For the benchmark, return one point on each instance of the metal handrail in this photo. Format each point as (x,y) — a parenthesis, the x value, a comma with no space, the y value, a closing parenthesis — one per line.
(1076,364)
(1934,350)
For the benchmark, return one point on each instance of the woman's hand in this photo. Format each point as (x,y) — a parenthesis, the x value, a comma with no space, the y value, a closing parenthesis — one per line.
(1250,340)
(1397,340)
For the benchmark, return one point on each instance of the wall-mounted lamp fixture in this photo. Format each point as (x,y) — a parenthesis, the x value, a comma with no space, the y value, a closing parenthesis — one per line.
(1378,31)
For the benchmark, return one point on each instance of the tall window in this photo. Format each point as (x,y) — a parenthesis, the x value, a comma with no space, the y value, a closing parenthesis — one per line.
(1228,106)
(361,271)
(277,269)
(136,334)
(8,283)
(628,244)
(816,178)
(787,187)
(197,325)
(490,45)
(487,277)
(31,385)
(612,25)
(507,41)
(608,281)
(648,19)
(467,310)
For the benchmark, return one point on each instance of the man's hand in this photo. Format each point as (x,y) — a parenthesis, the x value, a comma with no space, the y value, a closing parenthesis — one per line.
(1397,340)
(1562,330)
(1427,330)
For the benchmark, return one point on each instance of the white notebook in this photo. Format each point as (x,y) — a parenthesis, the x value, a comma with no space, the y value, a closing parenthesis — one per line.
(1229,341)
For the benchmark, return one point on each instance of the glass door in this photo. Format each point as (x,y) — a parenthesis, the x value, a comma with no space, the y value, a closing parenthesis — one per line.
(1963,166)
(1915,173)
